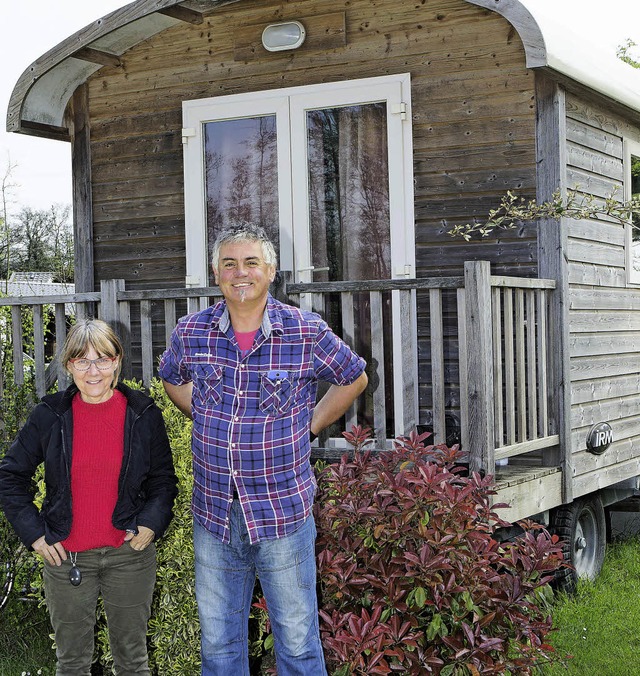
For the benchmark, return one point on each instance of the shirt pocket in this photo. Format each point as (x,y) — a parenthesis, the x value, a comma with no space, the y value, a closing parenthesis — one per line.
(207,385)
(276,392)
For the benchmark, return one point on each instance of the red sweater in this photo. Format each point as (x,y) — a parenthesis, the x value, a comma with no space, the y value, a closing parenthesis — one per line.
(98,449)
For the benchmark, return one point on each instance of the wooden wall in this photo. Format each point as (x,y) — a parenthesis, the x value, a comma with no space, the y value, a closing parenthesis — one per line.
(473,122)
(604,306)
(473,130)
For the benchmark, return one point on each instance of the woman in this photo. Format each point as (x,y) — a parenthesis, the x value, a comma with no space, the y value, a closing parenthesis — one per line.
(110,487)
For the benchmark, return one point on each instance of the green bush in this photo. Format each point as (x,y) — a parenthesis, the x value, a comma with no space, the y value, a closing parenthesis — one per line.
(16,566)
(174,630)
(24,623)
(412,579)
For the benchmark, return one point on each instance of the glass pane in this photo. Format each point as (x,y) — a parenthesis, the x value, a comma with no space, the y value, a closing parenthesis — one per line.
(349,192)
(241,175)
(635,228)
(348,177)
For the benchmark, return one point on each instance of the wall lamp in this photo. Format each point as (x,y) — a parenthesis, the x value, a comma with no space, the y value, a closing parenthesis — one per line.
(277,37)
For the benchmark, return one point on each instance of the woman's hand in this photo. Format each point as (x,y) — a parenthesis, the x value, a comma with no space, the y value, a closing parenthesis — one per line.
(142,539)
(53,554)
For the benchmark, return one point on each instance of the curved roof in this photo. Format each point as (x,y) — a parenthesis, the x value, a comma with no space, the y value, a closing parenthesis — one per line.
(551,44)
(42,92)
(39,99)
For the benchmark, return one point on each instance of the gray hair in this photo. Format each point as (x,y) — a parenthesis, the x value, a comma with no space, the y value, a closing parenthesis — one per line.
(244,232)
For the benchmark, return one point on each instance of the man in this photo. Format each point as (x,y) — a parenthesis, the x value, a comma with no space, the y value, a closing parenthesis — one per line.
(247,370)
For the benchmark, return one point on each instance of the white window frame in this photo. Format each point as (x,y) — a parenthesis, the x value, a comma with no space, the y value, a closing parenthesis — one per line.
(631,149)
(395,90)
(290,105)
(292,173)
(195,115)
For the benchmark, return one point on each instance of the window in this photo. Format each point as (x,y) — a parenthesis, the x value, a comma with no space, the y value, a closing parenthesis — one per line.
(325,169)
(318,166)
(631,190)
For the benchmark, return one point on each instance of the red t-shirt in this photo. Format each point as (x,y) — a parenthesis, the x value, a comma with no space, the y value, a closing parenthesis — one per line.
(98,449)
(245,339)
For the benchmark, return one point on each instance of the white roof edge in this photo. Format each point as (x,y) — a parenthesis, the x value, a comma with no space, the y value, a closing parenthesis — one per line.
(550,44)
(615,82)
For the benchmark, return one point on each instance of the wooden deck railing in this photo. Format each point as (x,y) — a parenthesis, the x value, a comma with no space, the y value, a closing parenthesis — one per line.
(502,358)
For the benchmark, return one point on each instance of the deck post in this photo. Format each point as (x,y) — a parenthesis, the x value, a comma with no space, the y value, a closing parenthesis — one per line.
(82,191)
(111,313)
(109,300)
(479,361)
(551,152)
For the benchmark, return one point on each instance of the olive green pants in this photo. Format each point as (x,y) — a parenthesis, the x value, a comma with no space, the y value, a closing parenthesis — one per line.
(125,579)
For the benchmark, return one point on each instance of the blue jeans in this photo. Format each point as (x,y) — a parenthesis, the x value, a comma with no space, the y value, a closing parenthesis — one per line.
(225,578)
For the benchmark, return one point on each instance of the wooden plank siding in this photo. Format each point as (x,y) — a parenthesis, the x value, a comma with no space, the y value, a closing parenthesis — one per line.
(604,308)
(472,116)
(472,98)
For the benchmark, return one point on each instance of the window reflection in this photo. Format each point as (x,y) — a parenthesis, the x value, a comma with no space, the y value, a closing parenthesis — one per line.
(349,192)
(241,175)
(348,178)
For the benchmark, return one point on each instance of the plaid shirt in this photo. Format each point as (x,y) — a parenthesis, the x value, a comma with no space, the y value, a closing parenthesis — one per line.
(252,412)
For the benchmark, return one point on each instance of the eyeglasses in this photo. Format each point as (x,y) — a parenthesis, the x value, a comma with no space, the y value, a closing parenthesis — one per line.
(103,363)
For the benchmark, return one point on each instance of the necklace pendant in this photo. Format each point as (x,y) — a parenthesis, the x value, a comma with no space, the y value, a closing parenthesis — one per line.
(75,576)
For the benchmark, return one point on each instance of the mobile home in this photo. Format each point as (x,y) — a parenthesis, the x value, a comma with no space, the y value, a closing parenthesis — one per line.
(359,133)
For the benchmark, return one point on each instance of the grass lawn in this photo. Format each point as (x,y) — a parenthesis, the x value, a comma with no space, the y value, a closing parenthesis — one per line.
(27,647)
(600,625)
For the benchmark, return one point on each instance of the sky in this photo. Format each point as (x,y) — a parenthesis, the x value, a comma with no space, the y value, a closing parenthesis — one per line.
(42,173)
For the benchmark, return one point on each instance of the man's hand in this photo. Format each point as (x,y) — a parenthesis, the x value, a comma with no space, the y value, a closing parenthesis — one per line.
(54,554)
(141,540)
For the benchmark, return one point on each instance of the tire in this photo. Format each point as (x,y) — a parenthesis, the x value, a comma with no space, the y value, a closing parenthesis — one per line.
(582,527)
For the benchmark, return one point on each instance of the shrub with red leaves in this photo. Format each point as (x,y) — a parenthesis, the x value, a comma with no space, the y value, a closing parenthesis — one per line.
(412,578)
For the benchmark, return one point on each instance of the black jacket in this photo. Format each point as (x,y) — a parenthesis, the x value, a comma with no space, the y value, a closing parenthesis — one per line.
(147,486)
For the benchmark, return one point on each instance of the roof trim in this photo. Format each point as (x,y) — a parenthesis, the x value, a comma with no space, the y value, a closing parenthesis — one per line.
(555,47)
(40,96)
(524,23)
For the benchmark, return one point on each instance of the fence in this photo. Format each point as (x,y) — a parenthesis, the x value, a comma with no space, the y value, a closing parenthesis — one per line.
(504,364)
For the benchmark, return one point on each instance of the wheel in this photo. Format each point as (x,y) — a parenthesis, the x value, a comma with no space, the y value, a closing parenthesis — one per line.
(582,528)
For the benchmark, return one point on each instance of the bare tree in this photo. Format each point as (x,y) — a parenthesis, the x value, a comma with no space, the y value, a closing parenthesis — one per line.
(6,190)
(44,242)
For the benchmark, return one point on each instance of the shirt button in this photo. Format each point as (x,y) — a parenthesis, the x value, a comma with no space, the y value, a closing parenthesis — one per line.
(236,418)
(235,472)
(240,392)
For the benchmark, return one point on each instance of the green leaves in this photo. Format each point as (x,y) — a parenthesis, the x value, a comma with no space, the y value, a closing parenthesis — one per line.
(623,53)
(417,597)
(437,628)
(515,211)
